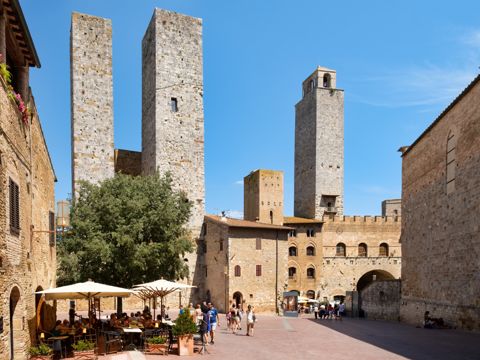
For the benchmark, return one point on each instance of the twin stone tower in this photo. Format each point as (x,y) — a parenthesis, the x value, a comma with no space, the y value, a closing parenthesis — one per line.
(173,120)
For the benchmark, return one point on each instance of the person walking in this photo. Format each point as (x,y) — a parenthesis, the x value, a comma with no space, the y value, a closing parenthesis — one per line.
(214,321)
(315,310)
(251,318)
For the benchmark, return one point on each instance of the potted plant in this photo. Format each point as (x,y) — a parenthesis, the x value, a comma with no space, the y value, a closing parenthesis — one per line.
(41,352)
(157,344)
(84,350)
(184,329)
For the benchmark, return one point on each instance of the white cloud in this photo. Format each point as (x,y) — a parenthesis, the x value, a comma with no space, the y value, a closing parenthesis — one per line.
(420,86)
(239,182)
(428,84)
(236,214)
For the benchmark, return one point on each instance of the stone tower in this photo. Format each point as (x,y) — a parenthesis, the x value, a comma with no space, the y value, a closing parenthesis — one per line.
(263,197)
(172,105)
(319,147)
(92,99)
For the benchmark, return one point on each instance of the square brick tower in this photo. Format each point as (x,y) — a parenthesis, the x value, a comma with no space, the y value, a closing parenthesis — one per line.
(263,197)
(172,105)
(319,147)
(92,99)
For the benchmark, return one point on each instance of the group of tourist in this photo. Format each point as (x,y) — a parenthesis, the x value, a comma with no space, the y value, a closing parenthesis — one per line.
(234,319)
(329,311)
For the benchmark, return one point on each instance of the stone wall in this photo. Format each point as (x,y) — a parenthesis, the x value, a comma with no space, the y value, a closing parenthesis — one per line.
(228,247)
(172,105)
(319,164)
(128,162)
(27,257)
(92,99)
(440,228)
(263,196)
(381,300)
(392,207)
(335,275)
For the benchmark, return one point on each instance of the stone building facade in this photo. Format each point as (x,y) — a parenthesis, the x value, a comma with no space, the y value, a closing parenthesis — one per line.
(319,147)
(245,262)
(92,99)
(260,205)
(440,224)
(392,207)
(27,241)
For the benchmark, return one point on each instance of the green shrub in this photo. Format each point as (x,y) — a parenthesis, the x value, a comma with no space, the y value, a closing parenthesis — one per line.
(41,349)
(5,73)
(156,340)
(184,325)
(83,345)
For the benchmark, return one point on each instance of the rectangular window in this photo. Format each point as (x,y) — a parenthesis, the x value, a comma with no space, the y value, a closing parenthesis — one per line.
(205,247)
(206,272)
(258,245)
(51,227)
(259,270)
(14,208)
(221,244)
(174,104)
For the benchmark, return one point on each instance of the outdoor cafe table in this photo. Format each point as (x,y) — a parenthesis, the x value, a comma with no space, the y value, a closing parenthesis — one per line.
(59,340)
(131,332)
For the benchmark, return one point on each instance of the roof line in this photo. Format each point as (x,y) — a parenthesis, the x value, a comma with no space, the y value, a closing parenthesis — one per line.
(19,11)
(444,112)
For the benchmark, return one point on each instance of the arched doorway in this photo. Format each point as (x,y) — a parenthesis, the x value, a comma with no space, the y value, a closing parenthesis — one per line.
(371,276)
(238,299)
(366,280)
(14,299)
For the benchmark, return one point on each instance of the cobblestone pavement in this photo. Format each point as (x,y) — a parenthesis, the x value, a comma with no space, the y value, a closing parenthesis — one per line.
(305,338)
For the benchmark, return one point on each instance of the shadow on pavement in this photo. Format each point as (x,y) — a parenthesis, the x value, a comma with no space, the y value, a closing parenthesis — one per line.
(409,341)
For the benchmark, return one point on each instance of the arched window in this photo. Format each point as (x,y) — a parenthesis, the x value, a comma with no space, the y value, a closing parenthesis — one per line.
(292,251)
(451,163)
(238,270)
(312,85)
(310,232)
(310,251)
(311,273)
(326,80)
(383,250)
(340,250)
(362,250)
(271,217)
(311,294)
(292,271)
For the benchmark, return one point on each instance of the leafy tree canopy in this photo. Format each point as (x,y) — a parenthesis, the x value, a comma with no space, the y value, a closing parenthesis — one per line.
(125,231)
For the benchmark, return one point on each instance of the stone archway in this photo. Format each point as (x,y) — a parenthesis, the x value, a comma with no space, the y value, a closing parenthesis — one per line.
(371,276)
(368,278)
(238,299)
(14,319)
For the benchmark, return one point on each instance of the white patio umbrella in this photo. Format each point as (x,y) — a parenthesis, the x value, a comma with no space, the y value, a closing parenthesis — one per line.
(159,288)
(86,290)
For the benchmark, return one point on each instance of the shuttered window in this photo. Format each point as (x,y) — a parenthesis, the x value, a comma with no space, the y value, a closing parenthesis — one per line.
(259,270)
(14,207)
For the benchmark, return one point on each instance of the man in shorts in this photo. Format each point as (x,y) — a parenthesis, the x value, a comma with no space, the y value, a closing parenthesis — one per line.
(214,321)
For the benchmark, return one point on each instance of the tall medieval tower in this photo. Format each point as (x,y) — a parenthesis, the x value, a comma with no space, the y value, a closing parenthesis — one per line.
(319,147)
(172,105)
(92,99)
(263,196)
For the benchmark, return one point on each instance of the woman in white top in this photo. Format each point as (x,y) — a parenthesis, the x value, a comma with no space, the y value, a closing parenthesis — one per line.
(250,320)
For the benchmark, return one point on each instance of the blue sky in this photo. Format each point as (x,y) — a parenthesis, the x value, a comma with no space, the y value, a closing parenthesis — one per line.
(399,62)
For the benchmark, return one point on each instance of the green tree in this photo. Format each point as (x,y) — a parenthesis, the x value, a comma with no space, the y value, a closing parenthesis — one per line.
(126,231)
